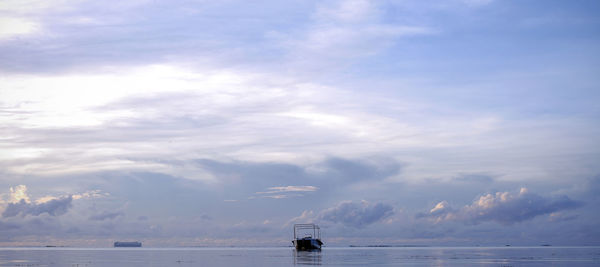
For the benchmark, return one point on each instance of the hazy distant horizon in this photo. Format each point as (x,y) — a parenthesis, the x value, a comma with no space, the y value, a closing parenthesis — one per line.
(459,122)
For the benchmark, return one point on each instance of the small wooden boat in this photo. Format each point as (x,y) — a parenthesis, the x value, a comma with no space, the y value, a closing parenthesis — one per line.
(307,237)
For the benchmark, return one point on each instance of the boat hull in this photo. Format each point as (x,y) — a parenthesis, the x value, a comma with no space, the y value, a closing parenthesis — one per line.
(127,244)
(307,244)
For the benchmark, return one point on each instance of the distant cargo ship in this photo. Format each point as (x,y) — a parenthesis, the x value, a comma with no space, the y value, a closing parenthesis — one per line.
(135,244)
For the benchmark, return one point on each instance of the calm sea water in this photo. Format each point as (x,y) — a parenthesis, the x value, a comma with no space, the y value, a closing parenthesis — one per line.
(422,256)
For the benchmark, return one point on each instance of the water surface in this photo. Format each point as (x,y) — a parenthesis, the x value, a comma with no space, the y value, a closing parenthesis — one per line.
(329,256)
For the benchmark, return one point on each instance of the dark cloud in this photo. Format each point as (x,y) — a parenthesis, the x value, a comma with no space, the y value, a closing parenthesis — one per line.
(333,178)
(592,188)
(357,215)
(502,207)
(559,217)
(262,175)
(8,226)
(14,228)
(54,207)
(106,216)
(332,173)
(356,170)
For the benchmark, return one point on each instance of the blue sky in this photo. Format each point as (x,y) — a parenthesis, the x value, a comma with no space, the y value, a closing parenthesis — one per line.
(460,122)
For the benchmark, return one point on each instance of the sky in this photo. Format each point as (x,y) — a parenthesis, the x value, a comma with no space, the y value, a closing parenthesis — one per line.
(219,123)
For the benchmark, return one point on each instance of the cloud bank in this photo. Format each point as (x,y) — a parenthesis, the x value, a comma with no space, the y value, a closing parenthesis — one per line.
(502,207)
(54,207)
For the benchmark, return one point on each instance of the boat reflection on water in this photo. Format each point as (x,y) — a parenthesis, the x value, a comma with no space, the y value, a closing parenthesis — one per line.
(307,257)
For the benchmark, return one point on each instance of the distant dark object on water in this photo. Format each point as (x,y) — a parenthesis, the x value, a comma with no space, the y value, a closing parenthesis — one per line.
(134,244)
(546,245)
(304,239)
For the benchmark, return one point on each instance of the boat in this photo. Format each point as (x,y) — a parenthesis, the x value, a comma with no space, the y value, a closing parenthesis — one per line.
(120,244)
(307,236)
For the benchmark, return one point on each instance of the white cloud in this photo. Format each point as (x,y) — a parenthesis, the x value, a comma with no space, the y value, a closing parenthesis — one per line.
(170,112)
(23,17)
(45,199)
(280,196)
(67,100)
(192,106)
(290,188)
(91,194)
(13,27)
(19,193)
(280,192)
(439,207)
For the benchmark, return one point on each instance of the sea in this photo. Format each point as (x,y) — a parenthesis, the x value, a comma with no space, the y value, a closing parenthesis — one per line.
(287,256)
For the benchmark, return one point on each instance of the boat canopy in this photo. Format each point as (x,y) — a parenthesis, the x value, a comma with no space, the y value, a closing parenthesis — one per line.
(307,230)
